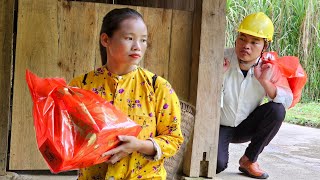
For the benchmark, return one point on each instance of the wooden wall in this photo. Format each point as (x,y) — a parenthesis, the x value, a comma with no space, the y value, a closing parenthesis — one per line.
(60,39)
(168,4)
(6,43)
(187,5)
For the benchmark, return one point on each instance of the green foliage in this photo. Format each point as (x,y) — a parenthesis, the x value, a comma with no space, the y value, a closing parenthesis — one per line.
(307,114)
(297,33)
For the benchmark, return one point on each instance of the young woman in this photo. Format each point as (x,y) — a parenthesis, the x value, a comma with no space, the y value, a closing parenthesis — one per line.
(147,99)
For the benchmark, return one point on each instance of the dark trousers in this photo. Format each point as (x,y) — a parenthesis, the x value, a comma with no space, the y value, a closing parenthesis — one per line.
(260,127)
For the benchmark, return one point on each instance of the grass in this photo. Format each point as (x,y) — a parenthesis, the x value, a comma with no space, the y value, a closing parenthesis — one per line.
(306,114)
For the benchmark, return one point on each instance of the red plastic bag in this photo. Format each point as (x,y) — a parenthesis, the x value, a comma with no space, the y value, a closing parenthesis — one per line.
(74,126)
(292,70)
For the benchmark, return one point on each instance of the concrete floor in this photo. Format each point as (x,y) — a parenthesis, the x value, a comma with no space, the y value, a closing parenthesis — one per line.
(294,154)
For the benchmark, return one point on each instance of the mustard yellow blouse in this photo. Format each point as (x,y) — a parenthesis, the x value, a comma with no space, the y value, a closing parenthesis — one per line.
(156,109)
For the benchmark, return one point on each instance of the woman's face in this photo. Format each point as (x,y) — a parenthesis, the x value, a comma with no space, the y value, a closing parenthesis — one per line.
(248,48)
(128,43)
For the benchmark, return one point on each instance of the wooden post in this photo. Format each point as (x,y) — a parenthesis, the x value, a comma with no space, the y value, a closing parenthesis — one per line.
(6,44)
(201,159)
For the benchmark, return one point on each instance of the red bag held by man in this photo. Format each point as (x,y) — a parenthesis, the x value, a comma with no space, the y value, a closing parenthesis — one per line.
(74,127)
(290,68)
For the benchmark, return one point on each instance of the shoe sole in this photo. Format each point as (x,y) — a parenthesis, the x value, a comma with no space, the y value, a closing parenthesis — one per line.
(263,176)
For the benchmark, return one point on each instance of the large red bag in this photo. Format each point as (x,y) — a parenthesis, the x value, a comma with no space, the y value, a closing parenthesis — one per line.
(292,70)
(74,126)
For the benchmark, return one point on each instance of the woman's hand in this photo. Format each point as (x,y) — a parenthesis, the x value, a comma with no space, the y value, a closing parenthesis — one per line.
(129,145)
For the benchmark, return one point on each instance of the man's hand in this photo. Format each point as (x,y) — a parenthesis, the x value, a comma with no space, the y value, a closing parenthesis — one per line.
(267,72)
(268,75)
(129,145)
(226,65)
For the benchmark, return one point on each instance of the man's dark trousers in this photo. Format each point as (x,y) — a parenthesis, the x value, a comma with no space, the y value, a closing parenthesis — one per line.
(260,127)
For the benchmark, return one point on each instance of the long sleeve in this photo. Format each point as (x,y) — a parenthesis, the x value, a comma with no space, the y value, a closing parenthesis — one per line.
(168,113)
(284,94)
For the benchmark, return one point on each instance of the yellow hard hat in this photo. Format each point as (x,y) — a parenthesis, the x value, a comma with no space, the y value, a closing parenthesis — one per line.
(258,25)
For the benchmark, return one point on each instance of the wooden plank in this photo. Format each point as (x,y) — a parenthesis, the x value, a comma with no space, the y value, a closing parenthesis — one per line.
(78,38)
(196,31)
(37,49)
(180,53)
(207,119)
(187,5)
(157,55)
(6,45)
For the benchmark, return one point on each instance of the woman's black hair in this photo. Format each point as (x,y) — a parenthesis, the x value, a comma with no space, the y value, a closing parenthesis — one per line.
(111,23)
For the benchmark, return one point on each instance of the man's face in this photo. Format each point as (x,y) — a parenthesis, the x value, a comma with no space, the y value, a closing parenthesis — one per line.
(249,48)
